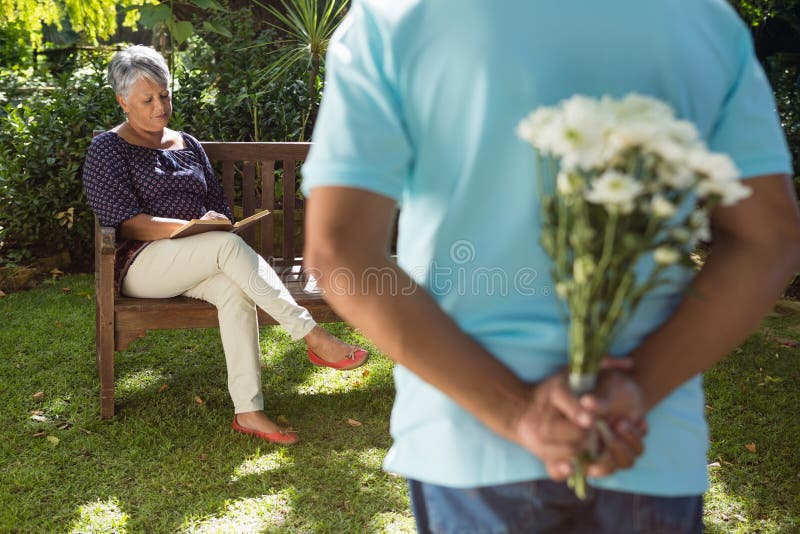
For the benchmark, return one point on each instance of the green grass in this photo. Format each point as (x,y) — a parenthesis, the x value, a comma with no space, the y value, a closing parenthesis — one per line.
(753,408)
(167,463)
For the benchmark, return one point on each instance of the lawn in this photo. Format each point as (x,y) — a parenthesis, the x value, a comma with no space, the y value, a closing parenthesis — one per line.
(169,461)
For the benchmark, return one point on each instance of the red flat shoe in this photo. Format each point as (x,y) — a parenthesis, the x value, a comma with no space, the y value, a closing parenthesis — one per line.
(284,437)
(356,358)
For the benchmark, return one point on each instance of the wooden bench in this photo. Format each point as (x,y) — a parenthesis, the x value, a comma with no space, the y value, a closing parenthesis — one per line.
(249,173)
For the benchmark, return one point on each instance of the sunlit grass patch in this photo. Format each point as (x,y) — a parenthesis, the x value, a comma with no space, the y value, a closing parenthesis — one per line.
(259,464)
(56,406)
(101,516)
(140,380)
(328,381)
(727,511)
(391,523)
(266,513)
(371,458)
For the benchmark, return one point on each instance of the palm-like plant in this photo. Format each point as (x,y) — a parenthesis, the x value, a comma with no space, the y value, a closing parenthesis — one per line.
(307,26)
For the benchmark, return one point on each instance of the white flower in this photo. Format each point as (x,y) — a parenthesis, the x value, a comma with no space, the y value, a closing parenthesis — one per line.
(576,132)
(640,108)
(662,208)
(651,124)
(713,165)
(538,127)
(569,183)
(669,149)
(583,141)
(700,226)
(614,190)
(677,177)
(734,192)
(666,255)
(730,192)
(564,184)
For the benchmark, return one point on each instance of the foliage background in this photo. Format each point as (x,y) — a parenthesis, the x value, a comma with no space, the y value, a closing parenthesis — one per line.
(47,116)
(47,113)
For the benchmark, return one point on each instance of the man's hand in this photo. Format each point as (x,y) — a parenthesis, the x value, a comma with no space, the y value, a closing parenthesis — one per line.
(554,425)
(619,401)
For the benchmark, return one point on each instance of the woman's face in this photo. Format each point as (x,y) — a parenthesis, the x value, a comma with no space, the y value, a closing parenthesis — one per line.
(148,105)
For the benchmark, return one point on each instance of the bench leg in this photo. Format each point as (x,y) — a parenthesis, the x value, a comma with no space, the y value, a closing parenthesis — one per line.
(104,331)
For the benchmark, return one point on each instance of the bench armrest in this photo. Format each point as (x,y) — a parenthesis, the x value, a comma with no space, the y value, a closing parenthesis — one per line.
(104,252)
(106,240)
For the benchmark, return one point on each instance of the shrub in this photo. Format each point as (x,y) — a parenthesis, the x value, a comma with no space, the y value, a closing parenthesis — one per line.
(43,142)
(221,95)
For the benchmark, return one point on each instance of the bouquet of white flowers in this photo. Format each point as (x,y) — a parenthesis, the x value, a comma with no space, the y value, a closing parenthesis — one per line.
(619,180)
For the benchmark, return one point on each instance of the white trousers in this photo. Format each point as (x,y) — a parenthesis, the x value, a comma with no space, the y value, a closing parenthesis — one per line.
(220,268)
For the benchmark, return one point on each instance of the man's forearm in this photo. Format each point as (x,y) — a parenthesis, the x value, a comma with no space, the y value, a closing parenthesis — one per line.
(736,287)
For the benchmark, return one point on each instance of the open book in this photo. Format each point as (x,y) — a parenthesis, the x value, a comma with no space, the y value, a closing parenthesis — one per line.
(198,226)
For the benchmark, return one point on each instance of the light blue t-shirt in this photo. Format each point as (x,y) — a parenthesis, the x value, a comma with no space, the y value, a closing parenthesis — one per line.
(421,102)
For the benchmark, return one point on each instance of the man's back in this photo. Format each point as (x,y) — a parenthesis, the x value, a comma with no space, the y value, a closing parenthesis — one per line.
(422,104)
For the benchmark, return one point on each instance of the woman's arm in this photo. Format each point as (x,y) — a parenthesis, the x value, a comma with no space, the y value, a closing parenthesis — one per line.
(145,227)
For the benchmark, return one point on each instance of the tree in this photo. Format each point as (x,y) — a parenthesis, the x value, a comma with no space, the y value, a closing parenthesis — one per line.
(95,19)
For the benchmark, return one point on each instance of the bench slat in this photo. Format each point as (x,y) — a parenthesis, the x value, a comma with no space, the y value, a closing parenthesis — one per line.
(227,183)
(288,207)
(268,203)
(249,200)
(247,151)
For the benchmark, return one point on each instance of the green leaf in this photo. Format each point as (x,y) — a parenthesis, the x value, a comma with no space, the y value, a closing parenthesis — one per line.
(182,30)
(152,15)
(208,4)
(217,27)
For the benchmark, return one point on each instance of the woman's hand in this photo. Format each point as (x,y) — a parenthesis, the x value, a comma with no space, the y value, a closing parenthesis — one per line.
(213,216)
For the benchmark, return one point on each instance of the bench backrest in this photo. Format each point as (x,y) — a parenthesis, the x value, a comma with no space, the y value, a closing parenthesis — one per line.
(249,174)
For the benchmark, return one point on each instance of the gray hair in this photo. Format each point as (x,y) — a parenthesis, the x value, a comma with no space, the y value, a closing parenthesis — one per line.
(135,62)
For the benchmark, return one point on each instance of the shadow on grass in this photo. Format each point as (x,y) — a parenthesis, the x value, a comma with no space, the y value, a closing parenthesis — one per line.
(169,462)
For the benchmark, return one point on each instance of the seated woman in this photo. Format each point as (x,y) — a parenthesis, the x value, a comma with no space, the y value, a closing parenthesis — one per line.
(147,180)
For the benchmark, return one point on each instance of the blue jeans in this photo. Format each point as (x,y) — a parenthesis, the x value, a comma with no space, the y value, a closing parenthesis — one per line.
(545,506)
